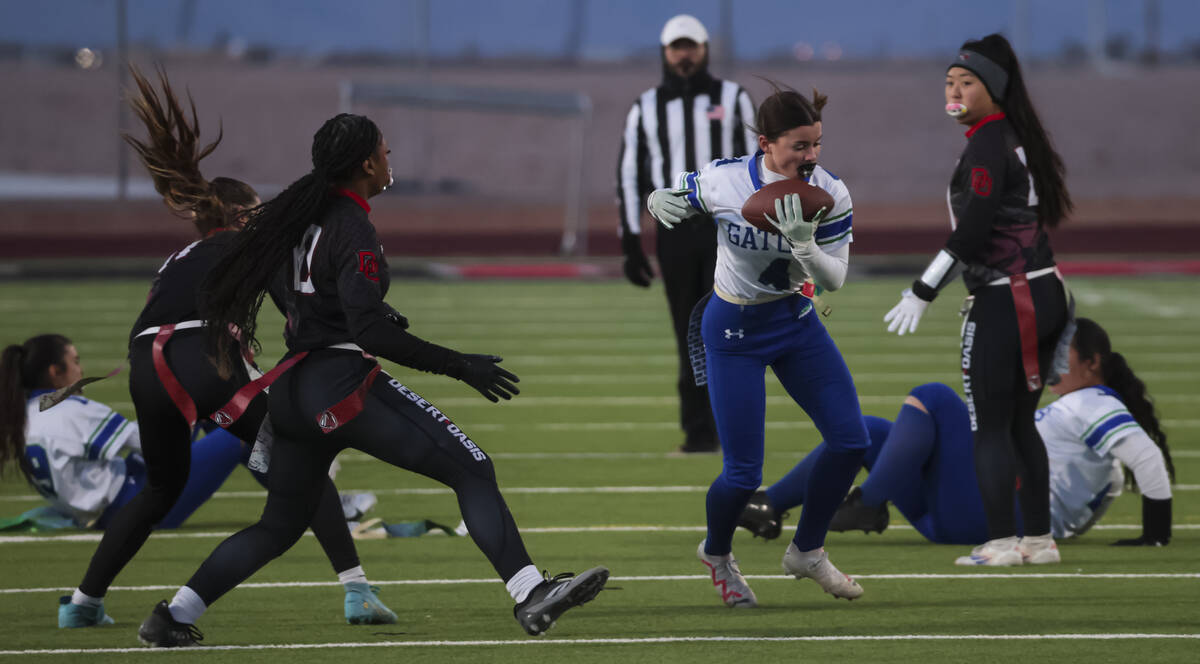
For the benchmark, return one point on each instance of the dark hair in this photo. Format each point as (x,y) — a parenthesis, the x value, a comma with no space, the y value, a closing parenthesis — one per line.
(172,155)
(786,109)
(233,290)
(1046,167)
(24,367)
(1091,341)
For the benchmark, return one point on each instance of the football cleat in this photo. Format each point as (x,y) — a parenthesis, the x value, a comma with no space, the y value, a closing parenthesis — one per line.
(1002,552)
(553,597)
(161,630)
(75,615)
(815,565)
(728,580)
(1039,550)
(364,608)
(761,518)
(854,514)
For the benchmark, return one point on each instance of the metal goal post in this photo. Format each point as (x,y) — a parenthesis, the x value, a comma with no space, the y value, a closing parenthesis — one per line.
(574,106)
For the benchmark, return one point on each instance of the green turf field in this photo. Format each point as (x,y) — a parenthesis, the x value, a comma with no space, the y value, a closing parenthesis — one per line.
(582,455)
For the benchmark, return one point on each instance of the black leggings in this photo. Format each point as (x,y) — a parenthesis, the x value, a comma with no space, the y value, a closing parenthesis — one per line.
(166,446)
(395,426)
(1002,409)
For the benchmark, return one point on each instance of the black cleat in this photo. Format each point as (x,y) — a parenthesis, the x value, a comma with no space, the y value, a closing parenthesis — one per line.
(160,630)
(552,597)
(761,518)
(854,514)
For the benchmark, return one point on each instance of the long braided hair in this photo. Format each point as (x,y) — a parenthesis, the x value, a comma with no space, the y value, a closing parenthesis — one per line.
(1092,341)
(24,367)
(172,154)
(233,291)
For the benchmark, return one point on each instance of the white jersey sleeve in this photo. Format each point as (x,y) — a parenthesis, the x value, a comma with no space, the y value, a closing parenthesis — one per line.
(74,450)
(1080,430)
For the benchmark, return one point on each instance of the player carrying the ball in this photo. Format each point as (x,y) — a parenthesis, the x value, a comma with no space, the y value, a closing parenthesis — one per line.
(762,315)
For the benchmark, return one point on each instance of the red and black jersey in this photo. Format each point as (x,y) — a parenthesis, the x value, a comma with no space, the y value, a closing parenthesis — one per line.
(334,286)
(175,292)
(332,291)
(993,207)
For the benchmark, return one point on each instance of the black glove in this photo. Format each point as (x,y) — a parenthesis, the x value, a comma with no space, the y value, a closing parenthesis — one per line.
(1156,524)
(637,266)
(483,373)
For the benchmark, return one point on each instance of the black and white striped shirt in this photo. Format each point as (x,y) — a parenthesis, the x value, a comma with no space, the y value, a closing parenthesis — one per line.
(666,135)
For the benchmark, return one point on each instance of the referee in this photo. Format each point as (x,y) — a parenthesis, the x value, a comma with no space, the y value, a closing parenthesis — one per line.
(690,119)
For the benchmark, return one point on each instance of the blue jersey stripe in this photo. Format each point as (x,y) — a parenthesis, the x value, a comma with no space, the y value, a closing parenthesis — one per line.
(1111,423)
(825,231)
(753,166)
(693,191)
(97,443)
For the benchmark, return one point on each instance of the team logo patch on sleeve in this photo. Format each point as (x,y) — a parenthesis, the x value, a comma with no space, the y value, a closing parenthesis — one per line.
(368,264)
(981,181)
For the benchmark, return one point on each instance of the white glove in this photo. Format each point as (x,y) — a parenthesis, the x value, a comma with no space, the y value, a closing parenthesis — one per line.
(904,316)
(791,223)
(668,206)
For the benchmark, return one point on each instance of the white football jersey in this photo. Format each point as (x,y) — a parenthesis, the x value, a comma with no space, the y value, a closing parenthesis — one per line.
(754,265)
(1079,430)
(74,449)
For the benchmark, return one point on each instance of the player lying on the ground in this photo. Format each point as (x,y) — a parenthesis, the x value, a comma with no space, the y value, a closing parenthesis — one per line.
(922,463)
(81,455)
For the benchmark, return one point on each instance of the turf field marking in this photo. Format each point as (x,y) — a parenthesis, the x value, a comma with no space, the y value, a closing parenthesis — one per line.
(965,576)
(543,530)
(622,641)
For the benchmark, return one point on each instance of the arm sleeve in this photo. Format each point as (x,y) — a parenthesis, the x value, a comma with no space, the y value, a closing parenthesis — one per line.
(827,269)
(357,255)
(985,163)
(629,175)
(105,431)
(1146,461)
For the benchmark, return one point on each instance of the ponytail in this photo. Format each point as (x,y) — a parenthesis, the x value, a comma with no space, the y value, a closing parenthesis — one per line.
(1091,341)
(23,367)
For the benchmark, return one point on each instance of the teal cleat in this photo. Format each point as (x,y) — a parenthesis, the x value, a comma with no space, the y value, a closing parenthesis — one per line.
(74,615)
(364,608)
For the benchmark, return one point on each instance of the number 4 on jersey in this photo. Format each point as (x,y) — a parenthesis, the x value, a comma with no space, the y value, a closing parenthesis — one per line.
(302,260)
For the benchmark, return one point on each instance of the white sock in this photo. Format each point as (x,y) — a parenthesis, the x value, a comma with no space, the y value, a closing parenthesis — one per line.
(81,599)
(187,607)
(522,582)
(353,575)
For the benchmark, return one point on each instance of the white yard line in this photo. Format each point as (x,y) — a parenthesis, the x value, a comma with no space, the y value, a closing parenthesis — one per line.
(965,576)
(535,530)
(549,642)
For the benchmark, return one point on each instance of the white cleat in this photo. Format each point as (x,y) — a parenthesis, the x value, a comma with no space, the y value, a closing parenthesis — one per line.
(1039,550)
(815,565)
(728,580)
(1002,552)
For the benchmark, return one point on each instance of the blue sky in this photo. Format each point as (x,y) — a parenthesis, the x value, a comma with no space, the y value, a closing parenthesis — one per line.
(613,28)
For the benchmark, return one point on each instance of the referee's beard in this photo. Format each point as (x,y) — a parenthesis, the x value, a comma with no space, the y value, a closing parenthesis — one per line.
(696,78)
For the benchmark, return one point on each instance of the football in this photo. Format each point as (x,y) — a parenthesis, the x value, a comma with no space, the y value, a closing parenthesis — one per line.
(812,199)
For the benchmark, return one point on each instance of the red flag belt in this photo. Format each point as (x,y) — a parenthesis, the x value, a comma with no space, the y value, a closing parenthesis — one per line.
(1027,328)
(175,390)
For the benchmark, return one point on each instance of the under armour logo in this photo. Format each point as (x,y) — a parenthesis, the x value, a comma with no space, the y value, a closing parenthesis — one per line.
(729,334)
(222,419)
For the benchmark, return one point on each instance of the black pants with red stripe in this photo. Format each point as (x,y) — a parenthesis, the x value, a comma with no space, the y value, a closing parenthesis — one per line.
(166,445)
(1001,407)
(395,425)
(687,257)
